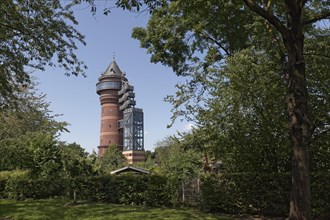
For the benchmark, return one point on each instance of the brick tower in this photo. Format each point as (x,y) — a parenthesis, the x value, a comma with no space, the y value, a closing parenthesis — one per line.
(121,122)
(108,87)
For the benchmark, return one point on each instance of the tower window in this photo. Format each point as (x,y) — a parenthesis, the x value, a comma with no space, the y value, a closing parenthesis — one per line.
(110,125)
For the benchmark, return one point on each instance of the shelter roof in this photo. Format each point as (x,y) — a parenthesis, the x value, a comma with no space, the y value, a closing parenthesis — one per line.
(130,169)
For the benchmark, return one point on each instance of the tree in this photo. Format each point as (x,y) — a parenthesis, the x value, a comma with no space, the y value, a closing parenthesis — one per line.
(176,162)
(34,151)
(33,34)
(18,156)
(27,131)
(111,160)
(179,32)
(76,164)
(243,120)
(31,113)
(75,161)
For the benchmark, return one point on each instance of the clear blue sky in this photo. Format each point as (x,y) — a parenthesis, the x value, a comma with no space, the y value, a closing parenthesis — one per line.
(76,98)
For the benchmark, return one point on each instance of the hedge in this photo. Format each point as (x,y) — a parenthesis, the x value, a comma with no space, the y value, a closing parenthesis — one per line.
(21,188)
(248,193)
(6,175)
(128,189)
(257,193)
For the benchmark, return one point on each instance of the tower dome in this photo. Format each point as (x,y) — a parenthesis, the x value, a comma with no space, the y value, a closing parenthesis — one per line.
(113,70)
(110,79)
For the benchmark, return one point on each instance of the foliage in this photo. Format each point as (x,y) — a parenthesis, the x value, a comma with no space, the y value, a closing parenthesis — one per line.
(317,65)
(111,160)
(76,164)
(257,193)
(36,151)
(320,195)
(18,155)
(35,34)
(27,130)
(30,114)
(57,209)
(149,163)
(244,125)
(6,175)
(245,193)
(46,155)
(190,37)
(129,189)
(23,187)
(176,162)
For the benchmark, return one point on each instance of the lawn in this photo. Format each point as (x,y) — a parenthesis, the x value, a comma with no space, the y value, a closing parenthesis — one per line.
(57,209)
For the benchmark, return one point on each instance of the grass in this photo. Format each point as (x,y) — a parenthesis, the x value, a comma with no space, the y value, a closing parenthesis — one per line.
(56,209)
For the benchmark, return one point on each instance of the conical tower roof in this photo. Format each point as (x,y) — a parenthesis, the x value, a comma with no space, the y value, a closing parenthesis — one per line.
(112,70)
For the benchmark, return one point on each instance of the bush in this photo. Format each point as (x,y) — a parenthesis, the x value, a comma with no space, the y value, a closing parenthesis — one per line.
(132,189)
(257,193)
(24,187)
(158,192)
(220,193)
(128,189)
(6,175)
(320,190)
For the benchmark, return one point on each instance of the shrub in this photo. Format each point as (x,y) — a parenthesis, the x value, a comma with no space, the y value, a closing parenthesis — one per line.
(320,191)
(158,192)
(6,175)
(261,193)
(128,189)
(219,194)
(23,187)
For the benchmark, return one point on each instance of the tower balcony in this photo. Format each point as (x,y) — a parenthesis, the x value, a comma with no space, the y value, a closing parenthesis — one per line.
(114,85)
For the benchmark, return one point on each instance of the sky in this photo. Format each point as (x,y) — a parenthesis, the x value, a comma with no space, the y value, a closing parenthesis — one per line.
(75,97)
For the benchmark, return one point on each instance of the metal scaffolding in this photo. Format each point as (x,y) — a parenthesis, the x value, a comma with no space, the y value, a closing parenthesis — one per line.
(132,125)
(132,122)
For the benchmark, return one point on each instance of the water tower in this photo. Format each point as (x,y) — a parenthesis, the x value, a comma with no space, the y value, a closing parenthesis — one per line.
(121,121)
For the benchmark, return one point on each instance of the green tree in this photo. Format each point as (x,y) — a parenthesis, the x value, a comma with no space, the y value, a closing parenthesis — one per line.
(76,164)
(18,156)
(176,162)
(180,32)
(46,157)
(34,34)
(244,123)
(27,131)
(31,113)
(111,160)
(35,151)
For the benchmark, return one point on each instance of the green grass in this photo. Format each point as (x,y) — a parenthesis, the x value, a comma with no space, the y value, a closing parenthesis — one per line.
(56,209)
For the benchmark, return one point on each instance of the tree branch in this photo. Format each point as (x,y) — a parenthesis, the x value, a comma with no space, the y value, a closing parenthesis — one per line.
(318,17)
(273,20)
(216,42)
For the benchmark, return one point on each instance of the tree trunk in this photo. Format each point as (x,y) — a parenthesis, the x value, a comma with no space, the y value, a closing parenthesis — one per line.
(299,124)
